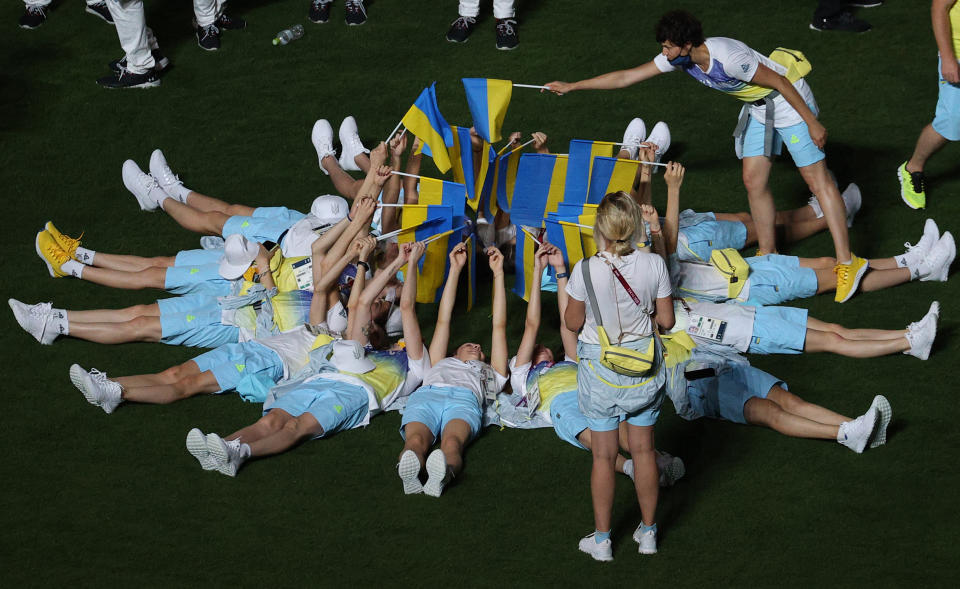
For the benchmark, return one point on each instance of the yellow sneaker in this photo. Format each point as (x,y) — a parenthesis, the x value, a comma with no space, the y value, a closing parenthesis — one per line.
(912,187)
(52,254)
(848,277)
(66,243)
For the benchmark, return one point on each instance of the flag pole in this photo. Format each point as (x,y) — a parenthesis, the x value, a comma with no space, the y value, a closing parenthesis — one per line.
(581,225)
(530,86)
(405,174)
(390,136)
(521,147)
(532,236)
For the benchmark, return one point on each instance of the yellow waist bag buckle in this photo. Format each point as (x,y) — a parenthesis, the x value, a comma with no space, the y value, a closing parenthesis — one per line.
(731,264)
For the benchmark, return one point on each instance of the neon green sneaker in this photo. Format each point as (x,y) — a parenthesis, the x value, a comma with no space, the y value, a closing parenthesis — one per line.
(912,187)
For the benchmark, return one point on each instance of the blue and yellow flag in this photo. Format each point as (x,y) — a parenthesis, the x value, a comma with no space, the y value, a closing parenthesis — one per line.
(488,100)
(539,187)
(579,169)
(485,179)
(611,174)
(471,271)
(523,262)
(425,121)
(434,191)
(419,222)
(573,235)
(435,264)
(461,158)
(506,179)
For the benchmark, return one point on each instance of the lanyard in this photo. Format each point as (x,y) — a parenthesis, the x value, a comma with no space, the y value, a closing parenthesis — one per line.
(623,282)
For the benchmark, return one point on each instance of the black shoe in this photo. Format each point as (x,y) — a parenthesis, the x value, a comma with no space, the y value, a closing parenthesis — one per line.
(230,23)
(320,11)
(160,62)
(507,38)
(842,22)
(33,17)
(208,37)
(100,9)
(460,29)
(127,79)
(356,13)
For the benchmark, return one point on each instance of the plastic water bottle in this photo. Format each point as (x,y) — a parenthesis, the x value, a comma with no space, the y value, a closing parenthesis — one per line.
(287,35)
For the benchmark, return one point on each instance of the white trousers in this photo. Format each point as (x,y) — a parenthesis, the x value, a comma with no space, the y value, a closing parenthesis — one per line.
(501,8)
(45,3)
(137,39)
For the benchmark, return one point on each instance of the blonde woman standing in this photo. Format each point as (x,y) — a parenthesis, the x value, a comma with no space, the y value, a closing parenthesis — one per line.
(631,288)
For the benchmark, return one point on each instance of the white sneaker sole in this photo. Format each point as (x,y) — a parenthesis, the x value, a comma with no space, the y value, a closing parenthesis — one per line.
(640,548)
(886,414)
(197,447)
(594,555)
(323,130)
(409,470)
(217,449)
(76,377)
(436,470)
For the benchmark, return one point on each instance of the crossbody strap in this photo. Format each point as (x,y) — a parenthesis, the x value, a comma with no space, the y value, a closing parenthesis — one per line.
(590,292)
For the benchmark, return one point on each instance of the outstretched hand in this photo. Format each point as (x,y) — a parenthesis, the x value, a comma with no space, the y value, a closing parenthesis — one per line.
(495,259)
(674,175)
(458,256)
(558,88)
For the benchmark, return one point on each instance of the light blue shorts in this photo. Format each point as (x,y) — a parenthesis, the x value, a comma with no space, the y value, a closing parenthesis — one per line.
(707,236)
(194,320)
(337,406)
(724,395)
(797,137)
(947,120)
(776,279)
(266,224)
(198,257)
(229,363)
(606,398)
(435,407)
(203,279)
(567,419)
(778,330)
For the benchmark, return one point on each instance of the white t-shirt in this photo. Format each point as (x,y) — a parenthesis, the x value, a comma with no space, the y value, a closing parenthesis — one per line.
(477,376)
(702,281)
(647,276)
(728,324)
(293,347)
(337,318)
(732,67)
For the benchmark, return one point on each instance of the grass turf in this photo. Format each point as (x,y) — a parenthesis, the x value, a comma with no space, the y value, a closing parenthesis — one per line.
(94,500)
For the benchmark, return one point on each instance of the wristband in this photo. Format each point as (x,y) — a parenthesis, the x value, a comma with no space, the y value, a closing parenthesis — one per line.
(364,264)
(349,218)
(563,275)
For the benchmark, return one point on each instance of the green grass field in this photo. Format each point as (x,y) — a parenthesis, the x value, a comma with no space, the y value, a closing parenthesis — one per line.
(95,500)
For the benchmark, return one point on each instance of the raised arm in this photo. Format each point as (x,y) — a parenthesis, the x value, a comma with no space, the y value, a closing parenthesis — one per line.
(320,246)
(357,319)
(567,336)
(323,282)
(362,213)
(391,190)
(643,194)
(671,229)
(262,263)
(608,81)
(410,194)
(652,218)
(378,157)
(441,333)
(408,313)
(532,324)
(768,78)
(498,341)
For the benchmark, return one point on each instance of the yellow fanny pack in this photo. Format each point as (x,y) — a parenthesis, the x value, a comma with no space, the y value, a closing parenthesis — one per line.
(797,64)
(622,360)
(731,264)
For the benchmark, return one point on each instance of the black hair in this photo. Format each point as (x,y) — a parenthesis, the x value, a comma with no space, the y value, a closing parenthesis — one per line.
(679,27)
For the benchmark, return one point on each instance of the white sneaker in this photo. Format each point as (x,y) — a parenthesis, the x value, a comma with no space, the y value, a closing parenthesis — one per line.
(322,138)
(852,199)
(35,320)
(628,468)
(916,254)
(97,389)
(646,541)
(602,551)
(226,455)
(438,475)
(881,404)
(659,136)
(671,469)
(351,144)
(937,265)
(166,179)
(197,447)
(857,433)
(409,470)
(921,334)
(143,186)
(633,136)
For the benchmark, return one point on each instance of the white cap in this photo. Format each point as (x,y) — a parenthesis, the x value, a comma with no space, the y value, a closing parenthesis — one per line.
(349,356)
(238,254)
(329,209)
(394,324)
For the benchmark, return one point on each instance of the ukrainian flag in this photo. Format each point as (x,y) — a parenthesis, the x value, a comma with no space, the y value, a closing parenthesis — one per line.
(570,229)
(506,179)
(435,265)
(539,187)
(611,174)
(580,167)
(485,181)
(471,271)
(425,121)
(434,191)
(488,101)
(523,263)
(461,156)
(420,222)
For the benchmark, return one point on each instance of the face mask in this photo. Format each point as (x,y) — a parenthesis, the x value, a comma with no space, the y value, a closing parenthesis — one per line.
(681,61)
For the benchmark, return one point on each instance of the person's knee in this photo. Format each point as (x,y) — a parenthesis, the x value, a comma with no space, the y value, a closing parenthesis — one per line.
(193,384)
(451,446)
(143,328)
(417,440)
(754,182)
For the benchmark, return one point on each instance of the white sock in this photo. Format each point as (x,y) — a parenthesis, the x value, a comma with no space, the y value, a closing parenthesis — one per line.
(73,268)
(163,198)
(914,265)
(180,192)
(244,451)
(58,320)
(84,256)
